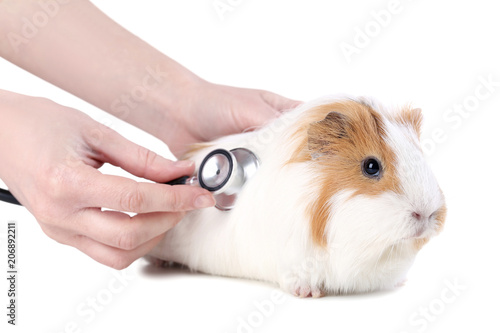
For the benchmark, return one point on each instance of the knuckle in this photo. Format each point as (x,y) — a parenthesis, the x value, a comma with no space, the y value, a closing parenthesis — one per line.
(106,130)
(53,193)
(175,201)
(44,102)
(133,201)
(96,134)
(93,127)
(56,181)
(148,157)
(127,240)
(120,262)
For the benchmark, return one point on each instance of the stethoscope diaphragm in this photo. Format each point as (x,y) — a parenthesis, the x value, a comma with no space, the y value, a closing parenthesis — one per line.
(224,172)
(216,170)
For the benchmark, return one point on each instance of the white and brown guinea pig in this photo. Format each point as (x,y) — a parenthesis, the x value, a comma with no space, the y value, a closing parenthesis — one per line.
(342,202)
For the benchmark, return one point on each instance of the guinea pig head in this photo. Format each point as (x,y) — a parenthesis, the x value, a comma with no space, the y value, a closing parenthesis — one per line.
(373,187)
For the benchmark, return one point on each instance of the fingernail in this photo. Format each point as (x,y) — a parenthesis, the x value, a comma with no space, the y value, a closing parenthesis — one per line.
(184,164)
(204,201)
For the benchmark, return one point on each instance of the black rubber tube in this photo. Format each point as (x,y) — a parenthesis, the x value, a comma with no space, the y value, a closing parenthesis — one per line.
(8,197)
(178,181)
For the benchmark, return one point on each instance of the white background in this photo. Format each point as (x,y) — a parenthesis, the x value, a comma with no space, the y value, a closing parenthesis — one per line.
(431,53)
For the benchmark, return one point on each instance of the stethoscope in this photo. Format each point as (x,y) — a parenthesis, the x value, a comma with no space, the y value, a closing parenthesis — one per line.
(222,172)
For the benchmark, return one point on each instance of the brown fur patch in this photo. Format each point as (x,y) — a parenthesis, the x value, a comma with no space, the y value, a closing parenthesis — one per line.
(338,137)
(410,117)
(420,242)
(440,218)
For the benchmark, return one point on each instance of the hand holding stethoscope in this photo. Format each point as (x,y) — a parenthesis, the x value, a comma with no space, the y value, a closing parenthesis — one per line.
(221,172)
(51,165)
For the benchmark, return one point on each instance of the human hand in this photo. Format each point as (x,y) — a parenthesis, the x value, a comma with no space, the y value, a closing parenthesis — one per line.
(50,156)
(207,111)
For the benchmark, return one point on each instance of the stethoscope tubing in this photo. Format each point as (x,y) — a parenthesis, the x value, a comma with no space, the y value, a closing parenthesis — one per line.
(6,196)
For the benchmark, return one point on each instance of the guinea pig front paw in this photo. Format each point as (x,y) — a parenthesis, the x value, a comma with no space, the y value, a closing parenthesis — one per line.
(305,290)
(400,283)
(302,289)
(156,262)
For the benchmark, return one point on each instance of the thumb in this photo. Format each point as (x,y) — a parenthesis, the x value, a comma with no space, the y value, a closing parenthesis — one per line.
(278,102)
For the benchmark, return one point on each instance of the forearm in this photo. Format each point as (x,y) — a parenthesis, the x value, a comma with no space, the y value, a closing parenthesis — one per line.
(81,50)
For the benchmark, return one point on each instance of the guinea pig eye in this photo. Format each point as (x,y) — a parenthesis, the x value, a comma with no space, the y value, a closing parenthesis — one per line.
(371,167)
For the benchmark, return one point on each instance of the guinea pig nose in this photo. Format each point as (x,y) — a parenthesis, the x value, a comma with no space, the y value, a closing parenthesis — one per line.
(416,215)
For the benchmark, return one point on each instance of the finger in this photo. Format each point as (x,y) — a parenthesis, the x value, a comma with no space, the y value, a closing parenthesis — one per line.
(123,194)
(107,255)
(137,160)
(121,231)
(278,102)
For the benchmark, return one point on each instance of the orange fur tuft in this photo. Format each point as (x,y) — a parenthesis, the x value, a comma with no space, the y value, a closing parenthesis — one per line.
(440,217)
(410,117)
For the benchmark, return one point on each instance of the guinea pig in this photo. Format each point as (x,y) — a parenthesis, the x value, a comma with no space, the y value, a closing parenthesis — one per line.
(341,203)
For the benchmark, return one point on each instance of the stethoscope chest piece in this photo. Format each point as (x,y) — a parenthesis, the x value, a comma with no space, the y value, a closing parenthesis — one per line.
(224,173)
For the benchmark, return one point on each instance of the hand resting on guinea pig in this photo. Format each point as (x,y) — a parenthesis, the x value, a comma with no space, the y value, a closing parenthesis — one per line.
(342,202)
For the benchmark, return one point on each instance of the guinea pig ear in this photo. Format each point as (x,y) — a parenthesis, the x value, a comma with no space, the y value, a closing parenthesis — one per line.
(417,119)
(413,118)
(325,134)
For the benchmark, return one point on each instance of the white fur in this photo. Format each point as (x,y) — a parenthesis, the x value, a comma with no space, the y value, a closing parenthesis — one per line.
(267,235)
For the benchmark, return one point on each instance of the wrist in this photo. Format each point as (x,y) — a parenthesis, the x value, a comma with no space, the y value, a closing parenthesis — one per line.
(166,111)
(152,96)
